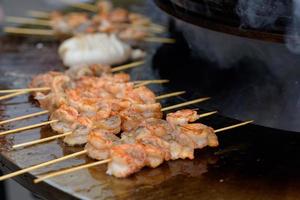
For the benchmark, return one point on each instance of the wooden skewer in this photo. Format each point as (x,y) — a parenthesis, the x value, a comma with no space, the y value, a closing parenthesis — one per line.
(208,114)
(27,127)
(69,133)
(47,139)
(169,95)
(185,104)
(151,82)
(41,89)
(38,14)
(24,117)
(85,166)
(128,66)
(159,40)
(24,20)
(12,95)
(71,170)
(28,169)
(4,177)
(29,31)
(233,126)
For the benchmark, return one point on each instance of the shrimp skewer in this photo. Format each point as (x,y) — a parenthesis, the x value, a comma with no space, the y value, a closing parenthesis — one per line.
(156,126)
(124,160)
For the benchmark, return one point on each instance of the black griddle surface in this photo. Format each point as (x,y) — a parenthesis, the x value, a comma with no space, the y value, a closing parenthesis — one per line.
(252,162)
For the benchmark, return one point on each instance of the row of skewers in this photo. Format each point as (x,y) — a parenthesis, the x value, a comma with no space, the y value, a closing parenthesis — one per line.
(119,121)
(105,18)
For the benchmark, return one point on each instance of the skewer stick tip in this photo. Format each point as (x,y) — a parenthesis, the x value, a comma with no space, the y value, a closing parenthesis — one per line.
(128,66)
(233,126)
(208,114)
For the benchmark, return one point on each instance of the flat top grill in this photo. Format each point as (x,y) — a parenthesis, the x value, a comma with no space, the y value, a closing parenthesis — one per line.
(252,162)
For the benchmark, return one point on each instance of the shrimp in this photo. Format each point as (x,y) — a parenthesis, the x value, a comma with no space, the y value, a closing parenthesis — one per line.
(111,124)
(57,96)
(44,80)
(153,142)
(99,144)
(201,135)
(81,129)
(66,116)
(119,90)
(137,113)
(126,159)
(182,117)
(142,95)
(159,127)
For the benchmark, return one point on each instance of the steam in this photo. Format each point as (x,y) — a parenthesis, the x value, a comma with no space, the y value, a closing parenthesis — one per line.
(293,31)
(260,13)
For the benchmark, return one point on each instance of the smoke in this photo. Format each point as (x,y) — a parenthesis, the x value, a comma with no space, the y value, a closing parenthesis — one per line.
(260,13)
(293,30)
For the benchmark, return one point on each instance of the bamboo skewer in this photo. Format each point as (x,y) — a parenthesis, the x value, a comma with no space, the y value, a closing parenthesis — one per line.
(41,89)
(28,169)
(27,127)
(151,82)
(185,104)
(24,117)
(169,95)
(58,173)
(29,31)
(12,95)
(233,126)
(66,134)
(128,66)
(85,166)
(47,139)
(38,14)
(159,40)
(23,20)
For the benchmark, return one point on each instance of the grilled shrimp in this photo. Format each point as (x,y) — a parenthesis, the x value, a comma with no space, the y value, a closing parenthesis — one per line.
(44,80)
(111,124)
(99,144)
(182,117)
(137,113)
(142,95)
(201,134)
(126,159)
